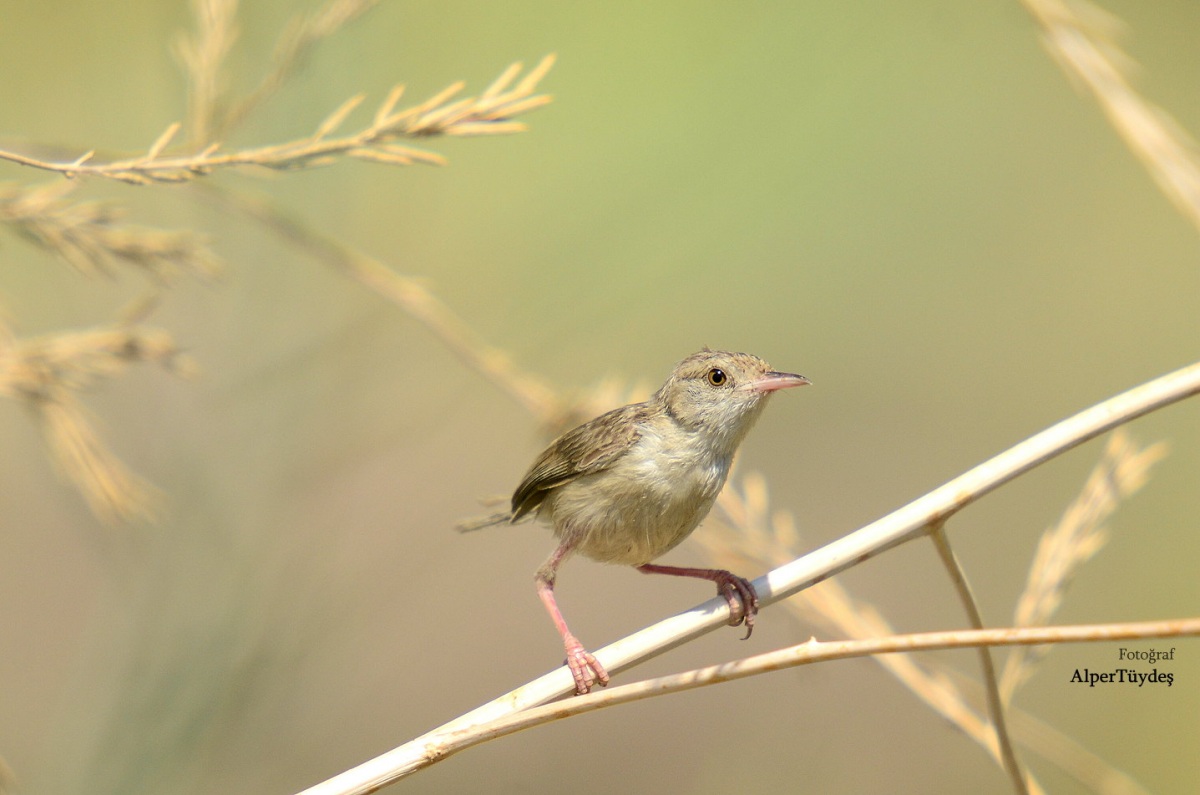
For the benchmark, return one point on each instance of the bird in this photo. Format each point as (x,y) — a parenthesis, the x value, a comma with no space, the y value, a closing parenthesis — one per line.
(631,484)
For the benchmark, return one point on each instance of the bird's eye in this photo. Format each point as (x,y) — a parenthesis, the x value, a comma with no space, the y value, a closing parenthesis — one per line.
(717,377)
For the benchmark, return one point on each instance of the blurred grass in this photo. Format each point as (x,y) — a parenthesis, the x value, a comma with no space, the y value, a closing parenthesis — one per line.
(912,206)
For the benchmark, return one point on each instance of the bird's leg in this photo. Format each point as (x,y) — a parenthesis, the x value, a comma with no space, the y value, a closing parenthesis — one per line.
(585,669)
(738,592)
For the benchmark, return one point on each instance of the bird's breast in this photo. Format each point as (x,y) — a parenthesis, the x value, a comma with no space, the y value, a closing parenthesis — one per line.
(646,503)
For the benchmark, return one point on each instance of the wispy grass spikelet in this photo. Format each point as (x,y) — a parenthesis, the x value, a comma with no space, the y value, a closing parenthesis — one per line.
(1122,470)
(202,54)
(93,238)
(46,374)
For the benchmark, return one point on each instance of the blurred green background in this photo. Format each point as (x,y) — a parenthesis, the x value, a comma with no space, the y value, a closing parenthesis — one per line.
(908,203)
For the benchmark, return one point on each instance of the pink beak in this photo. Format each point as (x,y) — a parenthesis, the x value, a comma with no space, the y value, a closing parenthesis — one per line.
(773,381)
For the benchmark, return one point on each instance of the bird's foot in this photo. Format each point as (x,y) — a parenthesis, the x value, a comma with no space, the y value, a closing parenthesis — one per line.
(738,592)
(585,668)
(741,596)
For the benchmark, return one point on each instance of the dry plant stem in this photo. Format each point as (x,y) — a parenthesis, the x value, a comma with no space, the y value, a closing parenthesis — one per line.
(805,654)
(893,529)
(958,576)
(437,746)
(1075,34)
(490,113)
(411,296)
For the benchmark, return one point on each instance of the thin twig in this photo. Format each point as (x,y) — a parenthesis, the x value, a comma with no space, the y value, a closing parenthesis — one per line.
(991,685)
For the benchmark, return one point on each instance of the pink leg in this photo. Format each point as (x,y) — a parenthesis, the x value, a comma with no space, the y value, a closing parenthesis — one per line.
(585,669)
(738,592)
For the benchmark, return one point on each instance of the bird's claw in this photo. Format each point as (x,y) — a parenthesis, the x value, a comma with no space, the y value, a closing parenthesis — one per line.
(586,670)
(742,599)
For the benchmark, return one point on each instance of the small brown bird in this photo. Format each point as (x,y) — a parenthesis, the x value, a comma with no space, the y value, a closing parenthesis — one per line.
(631,484)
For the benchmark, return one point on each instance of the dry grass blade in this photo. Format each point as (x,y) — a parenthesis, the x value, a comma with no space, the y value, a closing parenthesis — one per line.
(388,107)
(335,119)
(397,156)
(502,82)
(516,107)
(1122,470)
(45,374)
(158,146)
(491,115)
(445,116)
(1079,36)
(472,128)
(530,82)
(91,236)
(437,100)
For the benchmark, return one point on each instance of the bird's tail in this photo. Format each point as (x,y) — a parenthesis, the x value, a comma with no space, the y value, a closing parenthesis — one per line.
(480,522)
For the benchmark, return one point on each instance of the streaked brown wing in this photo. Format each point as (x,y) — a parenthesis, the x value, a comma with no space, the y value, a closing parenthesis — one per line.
(590,448)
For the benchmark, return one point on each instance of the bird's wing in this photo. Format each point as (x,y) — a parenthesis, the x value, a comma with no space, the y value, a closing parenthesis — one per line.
(590,448)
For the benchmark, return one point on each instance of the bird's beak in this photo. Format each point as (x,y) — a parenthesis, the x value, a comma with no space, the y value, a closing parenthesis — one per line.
(772,381)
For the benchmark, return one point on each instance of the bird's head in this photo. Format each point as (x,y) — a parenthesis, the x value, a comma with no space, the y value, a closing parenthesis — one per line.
(721,394)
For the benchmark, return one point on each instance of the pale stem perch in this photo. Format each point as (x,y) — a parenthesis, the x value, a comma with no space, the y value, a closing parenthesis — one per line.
(897,527)
(438,745)
(805,654)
